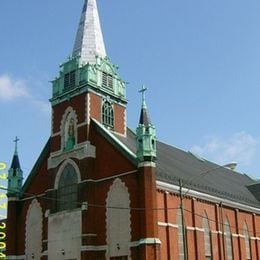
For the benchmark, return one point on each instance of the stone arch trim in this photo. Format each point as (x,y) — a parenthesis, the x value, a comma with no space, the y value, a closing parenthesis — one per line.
(36,209)
(72,113)
(62,167)
(118,197)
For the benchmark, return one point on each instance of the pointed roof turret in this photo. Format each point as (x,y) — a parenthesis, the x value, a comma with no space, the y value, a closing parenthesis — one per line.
(15,162)
(89,39)
(15,174)
(144,116)
(145,134)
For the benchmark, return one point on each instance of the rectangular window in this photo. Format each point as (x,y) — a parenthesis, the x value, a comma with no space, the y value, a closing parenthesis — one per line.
(70,79)
(107,80)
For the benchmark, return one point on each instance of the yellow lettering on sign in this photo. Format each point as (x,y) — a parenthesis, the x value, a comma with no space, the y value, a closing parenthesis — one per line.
(3,176)
(3,205)
(2,245)
(2,166)
(3,225)
(2,254)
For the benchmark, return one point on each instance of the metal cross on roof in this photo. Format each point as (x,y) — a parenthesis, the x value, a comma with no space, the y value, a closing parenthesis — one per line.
(16,142)
(143,90)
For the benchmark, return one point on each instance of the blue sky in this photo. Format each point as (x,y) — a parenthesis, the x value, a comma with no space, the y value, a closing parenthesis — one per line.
(200,60)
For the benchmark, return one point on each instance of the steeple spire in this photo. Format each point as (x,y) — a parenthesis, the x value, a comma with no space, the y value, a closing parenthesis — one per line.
(89,40)
(144,116)
(145,134)
(15,173)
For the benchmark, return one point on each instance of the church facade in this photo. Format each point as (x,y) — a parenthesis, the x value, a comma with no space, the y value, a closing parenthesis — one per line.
(102,191)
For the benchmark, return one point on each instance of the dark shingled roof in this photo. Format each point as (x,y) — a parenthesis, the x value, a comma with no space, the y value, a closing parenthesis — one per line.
(174,164)
(15,162)
(144,117)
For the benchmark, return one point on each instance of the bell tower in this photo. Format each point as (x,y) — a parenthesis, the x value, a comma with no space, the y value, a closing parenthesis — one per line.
(88,86)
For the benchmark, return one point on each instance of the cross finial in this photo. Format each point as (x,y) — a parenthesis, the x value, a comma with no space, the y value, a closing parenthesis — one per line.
(143,90)
(16,142)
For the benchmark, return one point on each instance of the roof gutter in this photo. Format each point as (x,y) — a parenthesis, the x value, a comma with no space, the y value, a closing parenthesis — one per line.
(204,196)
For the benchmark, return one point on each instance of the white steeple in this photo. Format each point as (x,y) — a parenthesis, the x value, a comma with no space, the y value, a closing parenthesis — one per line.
(89,40)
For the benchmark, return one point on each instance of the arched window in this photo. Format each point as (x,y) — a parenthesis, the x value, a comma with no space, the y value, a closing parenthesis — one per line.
(207,238)
(33,231)
(67,189)
(180,235)
(247,242)
(107,114)
(228,240)
(118,221)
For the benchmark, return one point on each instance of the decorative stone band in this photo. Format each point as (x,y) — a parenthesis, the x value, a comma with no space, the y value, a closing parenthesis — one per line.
(144,241)
(147,164)
(216,232)
(13,199)
(238,235)
(164,224)
(56,134)
(15,257)
(255,238)
(89,235)
(94,248)
(149,241)
(195,229)
(80,152)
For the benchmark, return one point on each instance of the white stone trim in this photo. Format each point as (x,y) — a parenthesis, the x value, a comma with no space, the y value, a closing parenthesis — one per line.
(238,235)
(89,235)
(195,229)
(15,257)
(56,134)
(94,248)
(82,124)
(84,205)
(62,167)
(165,224)
(87,109)
(149,241)
(255,238)
(216,232)
(147,164)
(80,151)
(200,195)
(115,139)
(13,199)
(125,120)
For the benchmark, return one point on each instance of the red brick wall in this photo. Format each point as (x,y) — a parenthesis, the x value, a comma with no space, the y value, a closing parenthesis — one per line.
(77,103)
(194,210)
(119,119)
(95,106)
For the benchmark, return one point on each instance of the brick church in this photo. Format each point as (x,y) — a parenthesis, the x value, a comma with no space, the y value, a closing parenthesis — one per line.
(102,191)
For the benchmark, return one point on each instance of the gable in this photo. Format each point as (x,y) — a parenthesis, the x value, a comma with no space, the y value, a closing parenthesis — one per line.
(112,157)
